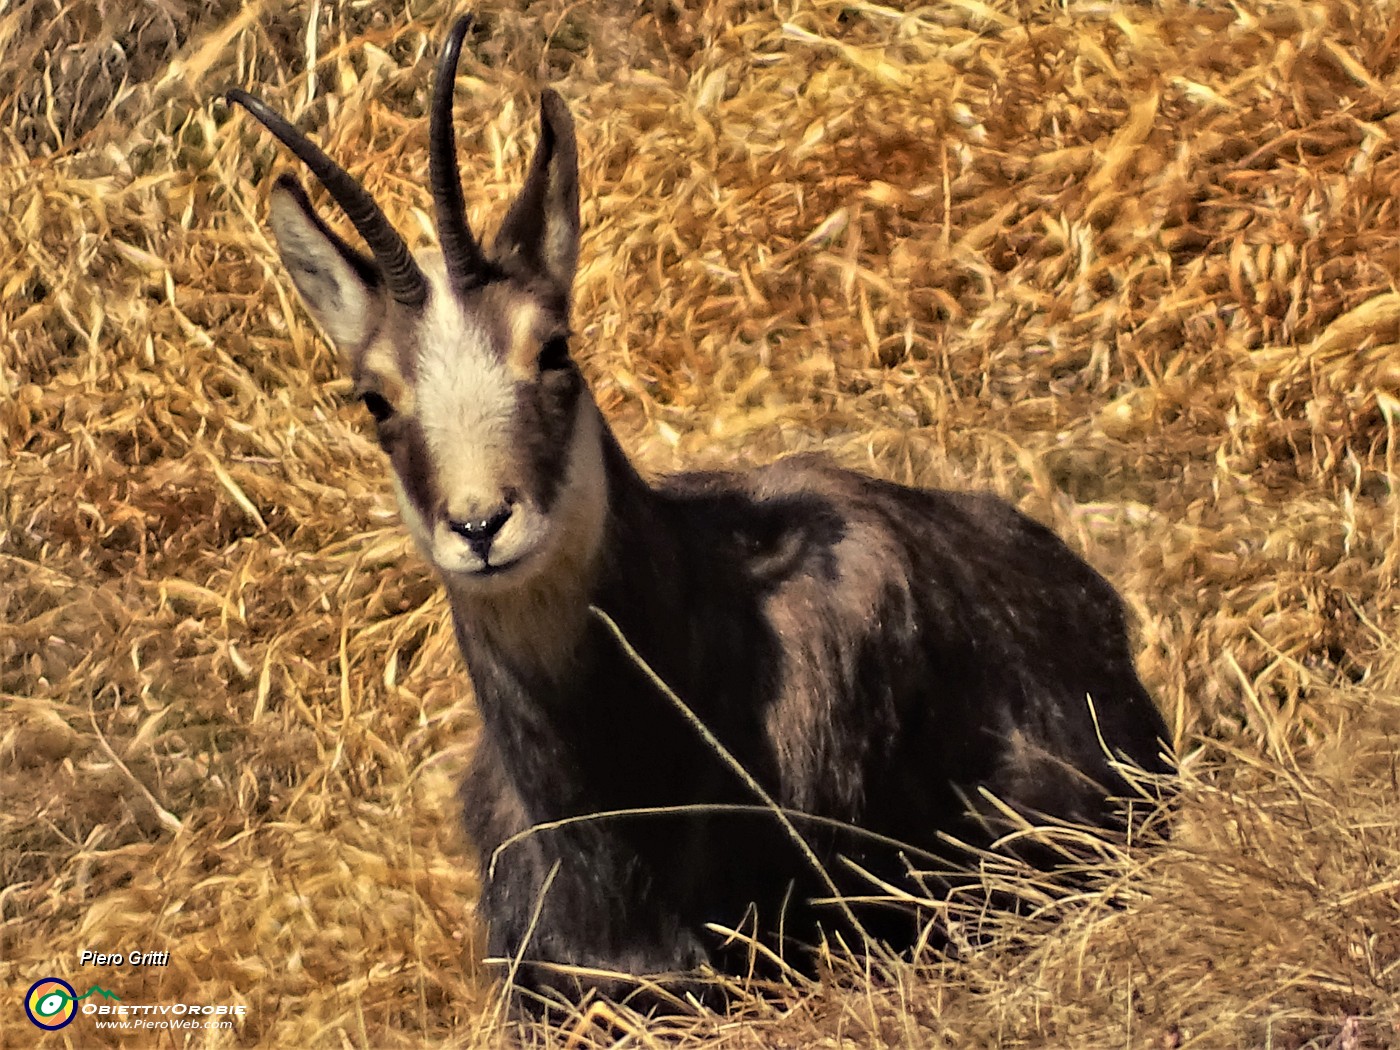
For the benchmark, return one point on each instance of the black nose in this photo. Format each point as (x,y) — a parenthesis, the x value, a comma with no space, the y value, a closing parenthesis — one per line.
(479,532)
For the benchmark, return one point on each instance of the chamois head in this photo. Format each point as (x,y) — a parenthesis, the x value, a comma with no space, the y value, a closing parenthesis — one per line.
(461,356)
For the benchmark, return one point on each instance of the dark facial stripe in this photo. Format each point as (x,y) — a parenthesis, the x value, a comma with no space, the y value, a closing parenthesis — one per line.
(545,421)
(408,452)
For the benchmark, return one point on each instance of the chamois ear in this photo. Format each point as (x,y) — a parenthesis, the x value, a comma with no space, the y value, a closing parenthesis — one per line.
(541,228)
(342,289)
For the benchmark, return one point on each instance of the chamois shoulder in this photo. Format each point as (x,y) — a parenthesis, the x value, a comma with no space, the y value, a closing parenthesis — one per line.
(805,525)
(810,489)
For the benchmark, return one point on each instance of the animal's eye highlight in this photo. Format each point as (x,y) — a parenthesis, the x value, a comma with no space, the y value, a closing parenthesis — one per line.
(554,355)
(378,405)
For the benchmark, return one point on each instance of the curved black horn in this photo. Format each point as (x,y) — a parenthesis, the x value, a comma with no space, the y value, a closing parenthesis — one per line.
(460,252)
(404,279)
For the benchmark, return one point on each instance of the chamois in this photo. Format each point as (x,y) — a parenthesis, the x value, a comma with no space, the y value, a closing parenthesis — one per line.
(878,659)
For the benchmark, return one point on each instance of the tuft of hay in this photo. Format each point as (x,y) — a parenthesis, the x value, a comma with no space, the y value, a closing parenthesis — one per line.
(1135,267)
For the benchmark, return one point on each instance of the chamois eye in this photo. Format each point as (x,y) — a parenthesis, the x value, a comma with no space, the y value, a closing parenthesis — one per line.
(554,354)
(378,405)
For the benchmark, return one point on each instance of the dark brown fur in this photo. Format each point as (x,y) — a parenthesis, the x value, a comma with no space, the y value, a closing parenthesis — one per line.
(872,654)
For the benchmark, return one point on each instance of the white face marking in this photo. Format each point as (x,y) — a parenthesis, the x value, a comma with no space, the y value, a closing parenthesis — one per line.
(464,399)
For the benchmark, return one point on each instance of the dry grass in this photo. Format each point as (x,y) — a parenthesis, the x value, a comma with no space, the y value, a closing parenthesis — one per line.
(1133,265)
